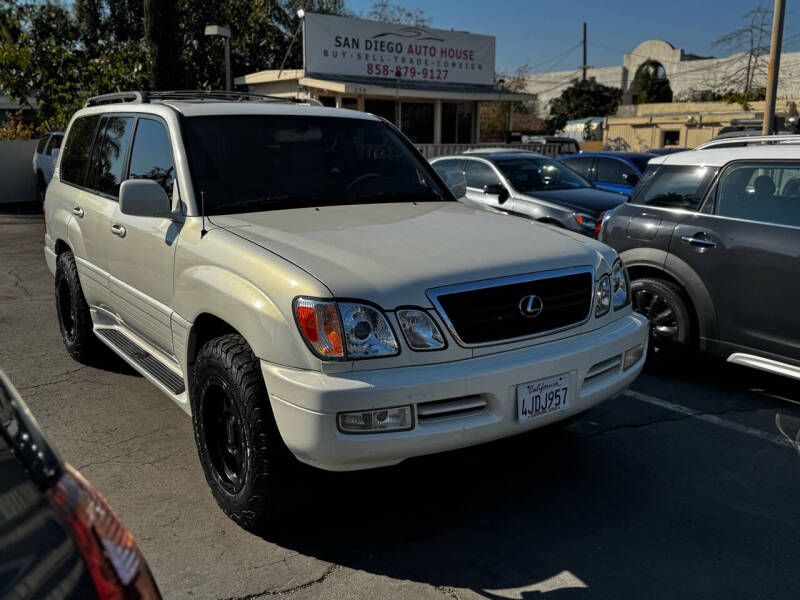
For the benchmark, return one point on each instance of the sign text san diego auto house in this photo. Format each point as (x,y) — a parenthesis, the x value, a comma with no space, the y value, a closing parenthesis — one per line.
(355,47)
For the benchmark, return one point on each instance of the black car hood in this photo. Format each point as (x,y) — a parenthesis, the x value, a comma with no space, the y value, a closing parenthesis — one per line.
(588,200)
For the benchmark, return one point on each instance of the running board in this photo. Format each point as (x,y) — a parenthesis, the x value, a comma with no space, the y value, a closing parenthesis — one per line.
(154,367)
(764,364)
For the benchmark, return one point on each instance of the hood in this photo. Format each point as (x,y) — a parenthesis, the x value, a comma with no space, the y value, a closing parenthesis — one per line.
(588,200)
(390,254)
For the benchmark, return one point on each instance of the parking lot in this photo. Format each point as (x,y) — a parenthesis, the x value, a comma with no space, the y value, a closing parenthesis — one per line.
(687,486)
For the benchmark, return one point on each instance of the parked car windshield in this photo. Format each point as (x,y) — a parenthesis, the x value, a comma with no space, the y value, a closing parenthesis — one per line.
(533,174)
(248,163)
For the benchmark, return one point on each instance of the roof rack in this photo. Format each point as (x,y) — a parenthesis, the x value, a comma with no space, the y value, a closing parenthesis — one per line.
(750,140)
(142,97)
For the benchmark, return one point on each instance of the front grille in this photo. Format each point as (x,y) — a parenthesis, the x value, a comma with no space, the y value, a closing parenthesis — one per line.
(453,407)
(489,311)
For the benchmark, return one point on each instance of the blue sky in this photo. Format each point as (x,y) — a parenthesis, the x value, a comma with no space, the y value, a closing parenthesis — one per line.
(535,31)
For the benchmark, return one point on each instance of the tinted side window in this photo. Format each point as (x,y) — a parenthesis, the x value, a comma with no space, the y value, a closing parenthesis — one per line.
(151,156)
(55,142)
(75,159)
(769,193)
(581,165)
(612,170)
(443,166)
(673,186)
(108,160)
(480,175)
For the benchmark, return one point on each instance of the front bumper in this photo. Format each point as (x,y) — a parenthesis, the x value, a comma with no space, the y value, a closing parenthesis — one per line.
(305,403)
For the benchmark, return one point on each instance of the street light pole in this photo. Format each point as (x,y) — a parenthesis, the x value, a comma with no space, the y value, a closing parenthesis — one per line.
(224,32)
(774,66)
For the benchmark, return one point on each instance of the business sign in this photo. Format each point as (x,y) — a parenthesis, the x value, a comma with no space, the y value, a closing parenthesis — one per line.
(354,47)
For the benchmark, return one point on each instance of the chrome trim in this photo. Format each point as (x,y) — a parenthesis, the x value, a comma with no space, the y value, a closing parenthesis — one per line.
(787,139)
(764,364)
(434,293)
(695,241)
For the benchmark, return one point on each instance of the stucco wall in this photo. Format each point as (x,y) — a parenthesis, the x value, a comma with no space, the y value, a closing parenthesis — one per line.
(17,183)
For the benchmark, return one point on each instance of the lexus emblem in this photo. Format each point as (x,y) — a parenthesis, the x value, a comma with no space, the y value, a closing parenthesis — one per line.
(531,306)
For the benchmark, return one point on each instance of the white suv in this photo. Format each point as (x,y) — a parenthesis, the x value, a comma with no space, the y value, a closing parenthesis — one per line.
(44,160)
(301,282)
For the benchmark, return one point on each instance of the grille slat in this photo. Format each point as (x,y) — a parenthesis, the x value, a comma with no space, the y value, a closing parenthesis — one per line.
(488,312)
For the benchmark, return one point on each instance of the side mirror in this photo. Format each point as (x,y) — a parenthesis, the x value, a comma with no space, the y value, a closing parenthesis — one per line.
(456,183)
(630,178)
(143,198)
(497,189)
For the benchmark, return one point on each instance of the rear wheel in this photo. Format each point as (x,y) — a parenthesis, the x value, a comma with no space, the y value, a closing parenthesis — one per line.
(250,471)
(663,303)
(74,318)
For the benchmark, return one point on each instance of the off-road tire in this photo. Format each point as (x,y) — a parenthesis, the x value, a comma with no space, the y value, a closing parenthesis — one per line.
(671,297)
(74,318)
(270,471)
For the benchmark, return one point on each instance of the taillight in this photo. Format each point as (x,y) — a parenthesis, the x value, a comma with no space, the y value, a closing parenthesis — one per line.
(113,559)
(599,225)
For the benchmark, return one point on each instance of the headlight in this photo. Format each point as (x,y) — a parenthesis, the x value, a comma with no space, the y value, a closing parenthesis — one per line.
(367,331)
(602,300)
(420,331)
(344,330)
(620,289)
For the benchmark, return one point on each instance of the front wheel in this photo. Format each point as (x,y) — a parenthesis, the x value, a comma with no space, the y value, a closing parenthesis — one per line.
(248,468)
(663,303)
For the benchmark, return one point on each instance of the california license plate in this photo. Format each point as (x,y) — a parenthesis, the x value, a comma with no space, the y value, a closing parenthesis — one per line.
(542,397)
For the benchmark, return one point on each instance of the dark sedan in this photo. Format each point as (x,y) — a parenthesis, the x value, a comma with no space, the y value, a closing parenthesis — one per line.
(59,538)
(529,185)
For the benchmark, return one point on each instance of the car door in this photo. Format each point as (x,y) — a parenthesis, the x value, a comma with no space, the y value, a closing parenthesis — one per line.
(481,175)
(88,231)
(142,252)
(610,174)
(745,245)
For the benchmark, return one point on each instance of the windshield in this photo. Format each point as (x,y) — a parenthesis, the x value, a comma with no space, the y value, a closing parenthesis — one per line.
(247,163)
(532,174)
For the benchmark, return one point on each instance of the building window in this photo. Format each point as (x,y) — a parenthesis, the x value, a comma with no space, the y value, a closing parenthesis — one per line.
(328,101)
(416,121)
(382,108)
(456,122)
(351,103)
(672,138)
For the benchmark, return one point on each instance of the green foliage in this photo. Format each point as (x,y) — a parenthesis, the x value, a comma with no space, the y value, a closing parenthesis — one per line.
(580,100)
(494,115)
(389,12)
(651,84)
(744,98)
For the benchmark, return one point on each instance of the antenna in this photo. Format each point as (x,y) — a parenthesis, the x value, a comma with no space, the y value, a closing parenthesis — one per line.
(203,230)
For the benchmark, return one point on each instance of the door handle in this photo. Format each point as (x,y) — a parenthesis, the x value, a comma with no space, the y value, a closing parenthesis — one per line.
(698,242)
(77,211)
(118,230)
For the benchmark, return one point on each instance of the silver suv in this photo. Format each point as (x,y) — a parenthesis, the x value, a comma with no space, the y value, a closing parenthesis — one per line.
(302,283)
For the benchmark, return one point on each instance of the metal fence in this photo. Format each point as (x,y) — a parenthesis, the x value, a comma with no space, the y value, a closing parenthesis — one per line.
(434,150)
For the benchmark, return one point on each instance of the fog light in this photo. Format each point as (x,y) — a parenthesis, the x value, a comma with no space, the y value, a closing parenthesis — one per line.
(632,356)
(367,421)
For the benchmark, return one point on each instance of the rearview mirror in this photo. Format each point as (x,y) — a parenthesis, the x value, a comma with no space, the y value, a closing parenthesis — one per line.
(497,189)
(143,198)
(456,183)
(630,178)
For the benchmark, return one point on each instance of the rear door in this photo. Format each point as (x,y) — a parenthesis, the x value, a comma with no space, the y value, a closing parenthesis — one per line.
(479,175)
(745,245)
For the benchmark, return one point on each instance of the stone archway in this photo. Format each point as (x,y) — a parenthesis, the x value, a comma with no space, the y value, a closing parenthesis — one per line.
(646,55)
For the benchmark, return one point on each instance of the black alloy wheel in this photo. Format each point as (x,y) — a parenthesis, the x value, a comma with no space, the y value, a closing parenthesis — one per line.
(224,434)
(663,304)
(66,310)
(74,316)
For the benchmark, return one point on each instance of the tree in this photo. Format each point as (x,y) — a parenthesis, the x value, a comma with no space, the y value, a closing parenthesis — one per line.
(584,98)
(388,12)
(753,40)
(160,32)
(494,115)
(651,84)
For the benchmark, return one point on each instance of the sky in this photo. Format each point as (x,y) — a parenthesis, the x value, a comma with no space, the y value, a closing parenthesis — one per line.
(540,34)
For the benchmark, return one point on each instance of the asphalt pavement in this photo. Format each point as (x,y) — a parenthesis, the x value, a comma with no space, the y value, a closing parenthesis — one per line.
(686,487)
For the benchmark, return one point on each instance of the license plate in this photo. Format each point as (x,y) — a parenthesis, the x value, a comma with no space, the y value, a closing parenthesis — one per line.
(542,397)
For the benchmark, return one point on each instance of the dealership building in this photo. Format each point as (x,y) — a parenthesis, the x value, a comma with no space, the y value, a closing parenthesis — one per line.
(431,83)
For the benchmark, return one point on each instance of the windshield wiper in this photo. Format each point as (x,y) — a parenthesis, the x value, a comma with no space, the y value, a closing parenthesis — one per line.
(388,197)
(268,203)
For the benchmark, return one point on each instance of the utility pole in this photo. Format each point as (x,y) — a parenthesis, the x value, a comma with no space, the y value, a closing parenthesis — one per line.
(774,66)
(583,66)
